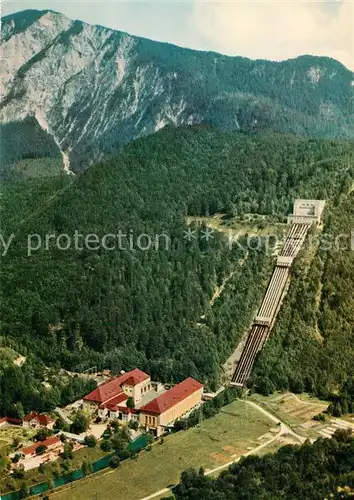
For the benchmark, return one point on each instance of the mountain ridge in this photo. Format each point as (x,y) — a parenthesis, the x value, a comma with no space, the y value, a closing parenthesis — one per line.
(46,11)
(95,89)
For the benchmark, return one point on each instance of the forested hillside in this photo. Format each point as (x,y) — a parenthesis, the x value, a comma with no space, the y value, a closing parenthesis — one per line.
(24,387)
(324,469)
(151,308)
(25,142)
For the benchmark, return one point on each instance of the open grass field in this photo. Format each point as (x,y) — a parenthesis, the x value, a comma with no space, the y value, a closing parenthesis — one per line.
(235,227)
(8,433)
(295,411)
(3,445)
(216,441)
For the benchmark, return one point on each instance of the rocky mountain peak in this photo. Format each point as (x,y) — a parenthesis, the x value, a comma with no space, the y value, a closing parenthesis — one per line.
(95,89)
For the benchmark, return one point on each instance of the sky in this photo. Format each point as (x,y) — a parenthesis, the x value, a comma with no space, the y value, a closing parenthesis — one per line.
(276,30)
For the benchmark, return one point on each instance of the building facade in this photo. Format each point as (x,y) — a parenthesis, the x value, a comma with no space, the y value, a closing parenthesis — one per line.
(113,394)
(307,212)
(152,406)
(163,411)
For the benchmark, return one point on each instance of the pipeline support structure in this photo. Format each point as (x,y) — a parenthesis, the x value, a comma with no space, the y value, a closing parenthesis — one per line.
(305,214)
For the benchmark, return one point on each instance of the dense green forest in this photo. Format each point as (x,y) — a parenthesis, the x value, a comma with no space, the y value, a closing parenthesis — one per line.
(324,469)
(151,308)
(26,150)
(32,385)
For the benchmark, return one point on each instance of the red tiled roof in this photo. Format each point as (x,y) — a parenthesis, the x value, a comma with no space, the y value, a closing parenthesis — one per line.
(134,377)
(112,403)
(111,389)
(41,418)
(129,381)
(10,420)
(47,442)
(15,421)
(172,397)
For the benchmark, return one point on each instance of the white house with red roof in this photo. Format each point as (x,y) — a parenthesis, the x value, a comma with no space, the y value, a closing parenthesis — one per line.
(4,421)
(38,421)
(110,398)
(30,459)
(51,443)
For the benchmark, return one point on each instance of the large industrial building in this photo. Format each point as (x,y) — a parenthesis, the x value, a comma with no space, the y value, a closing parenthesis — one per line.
(133,396)
(164,410)
(133,384)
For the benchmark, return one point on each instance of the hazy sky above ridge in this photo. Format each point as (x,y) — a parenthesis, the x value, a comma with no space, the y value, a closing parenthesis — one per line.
(274,30)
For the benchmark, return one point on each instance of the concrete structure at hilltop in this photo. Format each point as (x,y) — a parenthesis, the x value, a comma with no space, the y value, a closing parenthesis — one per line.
(307,212)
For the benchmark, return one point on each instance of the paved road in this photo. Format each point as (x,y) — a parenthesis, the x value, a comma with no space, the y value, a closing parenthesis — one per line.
(157,494)
(283,429)
(63,415)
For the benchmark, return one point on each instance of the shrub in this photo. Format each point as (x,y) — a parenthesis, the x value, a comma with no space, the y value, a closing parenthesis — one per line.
(130,403)
(90,441)
(86,467)
(105,445)
(16,458)
(19,472)
(41,449)
(42,434)
(133,424)
(321,417)
(124,454)
(68,451)
(114,462)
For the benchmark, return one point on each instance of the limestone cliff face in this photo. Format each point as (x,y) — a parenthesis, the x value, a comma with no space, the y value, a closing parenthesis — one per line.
(94,89)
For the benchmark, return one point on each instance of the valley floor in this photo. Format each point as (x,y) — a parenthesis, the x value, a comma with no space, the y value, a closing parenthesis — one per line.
(258,425)
(235,431)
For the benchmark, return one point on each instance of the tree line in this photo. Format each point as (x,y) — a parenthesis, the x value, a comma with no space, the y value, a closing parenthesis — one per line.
(315,471)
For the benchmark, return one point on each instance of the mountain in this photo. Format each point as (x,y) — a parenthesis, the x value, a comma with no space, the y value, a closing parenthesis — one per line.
(79,306)
(94,89)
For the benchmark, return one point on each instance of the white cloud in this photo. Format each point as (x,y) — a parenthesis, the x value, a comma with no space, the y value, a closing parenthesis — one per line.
(278,30)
